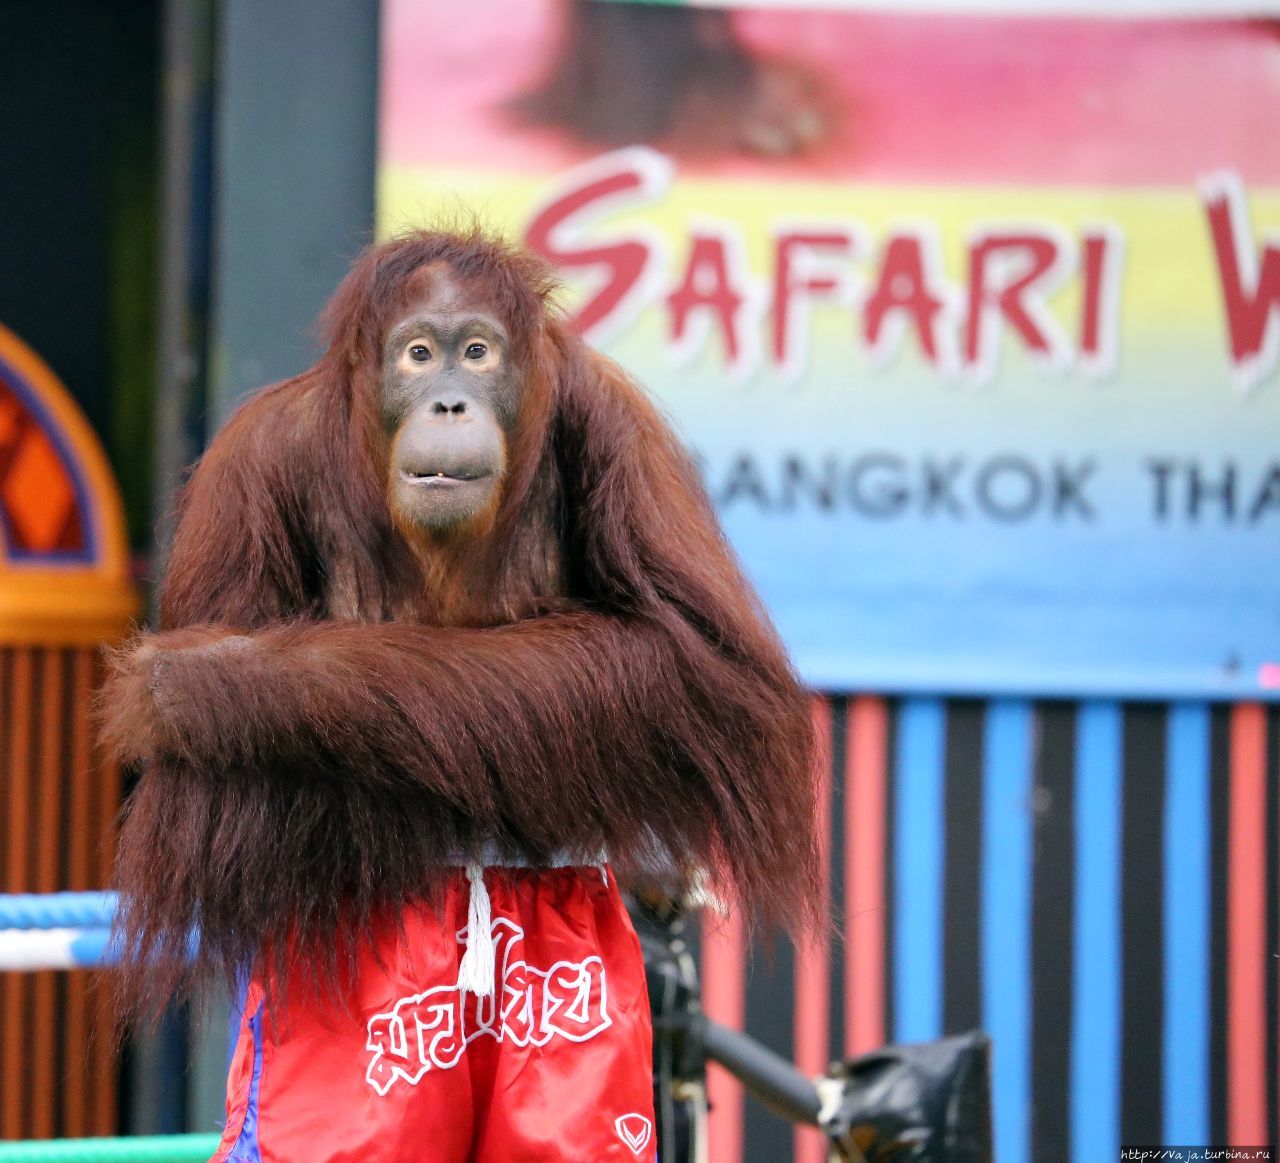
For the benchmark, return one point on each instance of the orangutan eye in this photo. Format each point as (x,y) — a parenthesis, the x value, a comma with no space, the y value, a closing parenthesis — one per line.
(476,351)
(419,353)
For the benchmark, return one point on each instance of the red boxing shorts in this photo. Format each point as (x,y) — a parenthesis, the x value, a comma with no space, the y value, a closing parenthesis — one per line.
(551,1063)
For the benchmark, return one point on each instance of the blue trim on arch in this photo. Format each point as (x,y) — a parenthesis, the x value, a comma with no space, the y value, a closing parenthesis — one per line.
(31,400)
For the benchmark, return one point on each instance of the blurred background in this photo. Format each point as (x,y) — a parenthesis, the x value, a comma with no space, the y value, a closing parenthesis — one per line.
(970,312)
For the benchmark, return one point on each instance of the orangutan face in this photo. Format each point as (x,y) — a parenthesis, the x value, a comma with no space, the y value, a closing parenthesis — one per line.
(449,397)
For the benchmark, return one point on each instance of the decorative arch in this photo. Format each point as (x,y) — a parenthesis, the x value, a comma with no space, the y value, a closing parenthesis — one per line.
(45,507)
(63,552)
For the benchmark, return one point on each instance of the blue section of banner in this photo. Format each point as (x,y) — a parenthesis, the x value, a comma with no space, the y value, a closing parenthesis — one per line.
(918,844)
(1097,968)
(1029,538)
(1007,845)
(1187,945)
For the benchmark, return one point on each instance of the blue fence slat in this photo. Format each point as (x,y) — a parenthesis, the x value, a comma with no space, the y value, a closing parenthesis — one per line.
(1187,944)
(1008,835)
(1097,968)
(918,847)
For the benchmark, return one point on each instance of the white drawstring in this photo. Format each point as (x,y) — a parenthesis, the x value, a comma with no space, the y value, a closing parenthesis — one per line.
(477,969)
(475,974)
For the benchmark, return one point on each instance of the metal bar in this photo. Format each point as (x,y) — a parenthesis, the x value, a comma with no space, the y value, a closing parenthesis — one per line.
(768,1076)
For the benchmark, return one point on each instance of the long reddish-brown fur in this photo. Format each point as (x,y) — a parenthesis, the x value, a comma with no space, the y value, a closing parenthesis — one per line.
(334,712)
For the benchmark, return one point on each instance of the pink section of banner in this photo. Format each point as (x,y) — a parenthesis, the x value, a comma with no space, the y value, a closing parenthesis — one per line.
(1026,100)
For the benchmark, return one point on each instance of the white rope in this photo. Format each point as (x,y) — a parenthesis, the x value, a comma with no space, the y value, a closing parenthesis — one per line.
(23,950)
(475,974)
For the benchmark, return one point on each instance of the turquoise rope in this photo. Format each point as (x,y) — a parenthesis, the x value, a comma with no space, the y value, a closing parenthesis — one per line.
(133,1149)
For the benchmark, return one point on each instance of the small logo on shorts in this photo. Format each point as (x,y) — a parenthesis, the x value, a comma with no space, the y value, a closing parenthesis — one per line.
(635,1131)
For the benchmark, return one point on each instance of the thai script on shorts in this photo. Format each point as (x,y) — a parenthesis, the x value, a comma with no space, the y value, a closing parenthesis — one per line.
(529,1006)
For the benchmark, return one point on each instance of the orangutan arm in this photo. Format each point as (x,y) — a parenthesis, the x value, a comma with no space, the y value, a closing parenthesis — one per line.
(583,717)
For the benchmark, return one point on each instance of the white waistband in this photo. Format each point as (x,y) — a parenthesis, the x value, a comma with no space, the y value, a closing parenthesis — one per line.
(490,856)
(476,970)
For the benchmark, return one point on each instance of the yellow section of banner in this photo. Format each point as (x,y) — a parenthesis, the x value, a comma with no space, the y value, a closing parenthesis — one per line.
(1170,281)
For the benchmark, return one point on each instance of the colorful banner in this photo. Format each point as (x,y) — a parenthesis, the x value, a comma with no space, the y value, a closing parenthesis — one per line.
(971,322)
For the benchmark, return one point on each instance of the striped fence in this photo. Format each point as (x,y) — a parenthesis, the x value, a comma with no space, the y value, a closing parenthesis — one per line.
(58,797)
(1095,884)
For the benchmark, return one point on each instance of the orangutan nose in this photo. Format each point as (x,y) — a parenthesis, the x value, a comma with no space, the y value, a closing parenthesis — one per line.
(451,435)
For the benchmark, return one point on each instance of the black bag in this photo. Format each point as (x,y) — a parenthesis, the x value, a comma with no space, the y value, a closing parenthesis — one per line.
(923,1103)
(928,1103)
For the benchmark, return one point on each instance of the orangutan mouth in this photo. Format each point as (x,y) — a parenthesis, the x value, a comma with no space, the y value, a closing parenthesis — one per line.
(441,478)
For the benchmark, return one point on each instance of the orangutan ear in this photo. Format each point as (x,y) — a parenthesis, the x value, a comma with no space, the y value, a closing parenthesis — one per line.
(641,527)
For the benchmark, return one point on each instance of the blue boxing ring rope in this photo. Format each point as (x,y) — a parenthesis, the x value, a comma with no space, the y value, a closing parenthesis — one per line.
(72,930)
(60,930)
(57,910)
